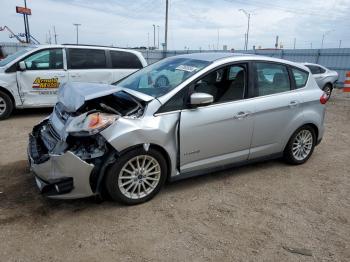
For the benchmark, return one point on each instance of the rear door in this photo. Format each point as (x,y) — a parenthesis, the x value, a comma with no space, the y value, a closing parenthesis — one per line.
(277,108)
(45,72)
(88,65)
(123,64)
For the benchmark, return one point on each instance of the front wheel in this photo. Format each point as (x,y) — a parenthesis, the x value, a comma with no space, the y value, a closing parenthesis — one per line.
(137,176)
(300,146)
(6,106)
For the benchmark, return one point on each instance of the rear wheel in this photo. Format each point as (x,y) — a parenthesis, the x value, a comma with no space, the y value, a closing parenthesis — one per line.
(328,89)
(136,177)
(6,106)
(300,146)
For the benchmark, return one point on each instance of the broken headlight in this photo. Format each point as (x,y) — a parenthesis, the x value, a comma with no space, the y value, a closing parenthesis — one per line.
(90,123)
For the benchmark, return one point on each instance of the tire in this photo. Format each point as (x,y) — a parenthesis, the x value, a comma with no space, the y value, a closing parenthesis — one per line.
(136,185)
(6,106)
(300,156)
(328,89)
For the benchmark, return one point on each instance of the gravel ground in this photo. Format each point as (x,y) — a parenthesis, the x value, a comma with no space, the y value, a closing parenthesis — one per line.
(260,212)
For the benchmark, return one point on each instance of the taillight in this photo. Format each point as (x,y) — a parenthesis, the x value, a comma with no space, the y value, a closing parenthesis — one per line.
(324,98)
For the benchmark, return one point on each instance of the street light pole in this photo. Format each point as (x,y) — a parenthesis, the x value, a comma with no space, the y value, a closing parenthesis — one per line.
(323,36)
(77,25)
(154,36)
(158,36)
(166,25)
(247,36)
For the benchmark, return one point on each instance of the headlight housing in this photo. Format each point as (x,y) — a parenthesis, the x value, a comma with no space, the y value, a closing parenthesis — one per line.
(90,123)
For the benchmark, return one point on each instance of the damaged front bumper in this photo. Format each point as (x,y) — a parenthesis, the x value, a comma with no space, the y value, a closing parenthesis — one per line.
(60,176)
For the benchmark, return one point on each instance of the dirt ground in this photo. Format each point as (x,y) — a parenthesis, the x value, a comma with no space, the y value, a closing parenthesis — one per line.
(253,213)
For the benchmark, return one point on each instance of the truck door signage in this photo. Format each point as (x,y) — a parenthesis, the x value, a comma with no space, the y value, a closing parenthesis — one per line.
(40,83)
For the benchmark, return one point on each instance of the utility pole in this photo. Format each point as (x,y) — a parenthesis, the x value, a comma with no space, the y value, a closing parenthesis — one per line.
(247,36)
(295,40)
(148,40)
(49,37)
(311,45)
(55,35)
(340,43)
(166,25)
(158,36)
(77,25)
(154,36)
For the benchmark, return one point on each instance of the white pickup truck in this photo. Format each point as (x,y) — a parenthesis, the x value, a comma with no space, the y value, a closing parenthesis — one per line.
(31,77)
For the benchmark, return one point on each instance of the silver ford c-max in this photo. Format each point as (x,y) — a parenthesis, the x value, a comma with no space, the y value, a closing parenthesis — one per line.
(182,116)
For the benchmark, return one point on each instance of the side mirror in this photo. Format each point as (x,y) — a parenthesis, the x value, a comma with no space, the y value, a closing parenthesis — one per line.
(201,99)
(22,66)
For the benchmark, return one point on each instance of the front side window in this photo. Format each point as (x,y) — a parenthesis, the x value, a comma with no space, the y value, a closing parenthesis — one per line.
(125,60)
(87,58)
(225,84)
(300,77)
(161,77)
(45,60)
(14,56)
(271,78)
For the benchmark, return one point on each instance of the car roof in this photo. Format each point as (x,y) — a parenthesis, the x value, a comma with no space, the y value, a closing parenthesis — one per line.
(221,57)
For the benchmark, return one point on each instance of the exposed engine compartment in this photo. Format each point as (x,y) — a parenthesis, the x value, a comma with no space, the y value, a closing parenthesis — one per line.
(120,103)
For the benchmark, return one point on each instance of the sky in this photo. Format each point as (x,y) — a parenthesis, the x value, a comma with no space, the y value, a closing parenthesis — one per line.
(193,24)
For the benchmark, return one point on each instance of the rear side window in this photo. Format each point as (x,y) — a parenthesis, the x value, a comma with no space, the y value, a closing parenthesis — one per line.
(315,69)
(125,60)
(86,58)
(271,78)
(300,77)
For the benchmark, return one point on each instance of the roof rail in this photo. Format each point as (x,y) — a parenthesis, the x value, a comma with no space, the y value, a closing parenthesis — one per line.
(95,45)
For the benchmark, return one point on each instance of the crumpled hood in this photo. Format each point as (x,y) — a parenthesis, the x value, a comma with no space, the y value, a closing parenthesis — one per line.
(74,94)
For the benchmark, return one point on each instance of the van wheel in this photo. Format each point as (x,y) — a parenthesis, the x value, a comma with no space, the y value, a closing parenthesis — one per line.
(136,177)
(6,106)
(300,146)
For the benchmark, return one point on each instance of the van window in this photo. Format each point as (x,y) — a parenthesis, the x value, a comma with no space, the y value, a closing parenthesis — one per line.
(125,60)
(86,58)
(45,60)
(271,78)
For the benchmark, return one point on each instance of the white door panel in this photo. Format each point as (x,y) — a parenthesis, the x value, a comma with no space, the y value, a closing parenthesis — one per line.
(215,135)
(103,76)
(39,87)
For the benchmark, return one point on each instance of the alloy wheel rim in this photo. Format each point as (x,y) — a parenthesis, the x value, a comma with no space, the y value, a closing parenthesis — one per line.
(2,106)
(327,90)
(139,176)
(302,145)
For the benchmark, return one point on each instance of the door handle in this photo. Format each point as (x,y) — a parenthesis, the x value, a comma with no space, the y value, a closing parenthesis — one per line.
(75,75)
(241,115)
(293,103)
(59,75)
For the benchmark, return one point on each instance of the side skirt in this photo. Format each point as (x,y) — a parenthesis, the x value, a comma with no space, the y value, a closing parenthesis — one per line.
(223,167)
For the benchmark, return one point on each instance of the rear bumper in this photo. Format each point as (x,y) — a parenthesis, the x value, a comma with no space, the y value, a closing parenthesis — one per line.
(63,176)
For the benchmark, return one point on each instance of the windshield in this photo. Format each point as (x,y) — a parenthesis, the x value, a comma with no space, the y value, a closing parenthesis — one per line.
(12,57)
(163,76)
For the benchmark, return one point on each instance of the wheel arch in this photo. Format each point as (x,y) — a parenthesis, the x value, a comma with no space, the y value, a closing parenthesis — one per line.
(114,155)
(312,125)
(7,92)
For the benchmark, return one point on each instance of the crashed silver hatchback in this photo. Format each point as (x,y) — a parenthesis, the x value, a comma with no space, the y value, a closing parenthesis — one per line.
(182,116)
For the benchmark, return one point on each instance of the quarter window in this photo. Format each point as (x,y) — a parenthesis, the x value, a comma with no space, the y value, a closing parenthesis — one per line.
(315,69)
(300,77)
(271,78)
(44,60)
(125,60)
(87,58)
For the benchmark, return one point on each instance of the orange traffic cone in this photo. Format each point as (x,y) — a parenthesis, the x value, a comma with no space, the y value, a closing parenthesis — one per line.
(347,82)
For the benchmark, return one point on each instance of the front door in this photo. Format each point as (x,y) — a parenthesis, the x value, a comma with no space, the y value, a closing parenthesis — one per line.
(219,133)
(44,73)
